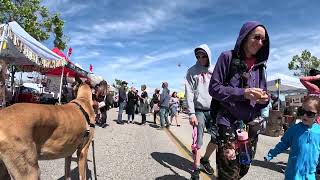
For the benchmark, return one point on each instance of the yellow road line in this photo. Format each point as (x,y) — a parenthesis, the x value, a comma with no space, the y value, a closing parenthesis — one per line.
(186,153)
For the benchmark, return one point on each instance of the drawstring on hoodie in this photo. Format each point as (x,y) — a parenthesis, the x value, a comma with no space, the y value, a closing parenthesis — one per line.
(203,76)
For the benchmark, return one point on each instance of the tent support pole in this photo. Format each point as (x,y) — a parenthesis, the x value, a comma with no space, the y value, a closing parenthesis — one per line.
(279,84)
(61,81)
(3,72)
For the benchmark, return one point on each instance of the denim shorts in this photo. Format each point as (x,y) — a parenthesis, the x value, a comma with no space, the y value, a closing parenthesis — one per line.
(203,117)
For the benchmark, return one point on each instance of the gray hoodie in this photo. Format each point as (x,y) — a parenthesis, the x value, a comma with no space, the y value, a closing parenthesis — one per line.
(197,85)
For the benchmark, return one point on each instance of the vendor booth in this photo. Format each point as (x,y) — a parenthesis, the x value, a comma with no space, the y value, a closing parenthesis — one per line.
(293,91)
(57,78)
(19,49)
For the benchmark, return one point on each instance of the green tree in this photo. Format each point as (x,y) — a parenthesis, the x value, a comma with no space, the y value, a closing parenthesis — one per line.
(301,65)
(35,19)
(117,83)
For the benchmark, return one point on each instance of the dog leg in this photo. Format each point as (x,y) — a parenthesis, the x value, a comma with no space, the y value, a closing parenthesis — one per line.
(67,164)
(82,162)
(23,165)
(21,161)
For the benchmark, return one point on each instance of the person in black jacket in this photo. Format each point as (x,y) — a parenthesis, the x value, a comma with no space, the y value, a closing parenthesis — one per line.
(155,104)
(122,100)
(132,100)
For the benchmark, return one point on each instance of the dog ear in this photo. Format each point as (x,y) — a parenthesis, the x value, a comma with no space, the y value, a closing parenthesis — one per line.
(78,80)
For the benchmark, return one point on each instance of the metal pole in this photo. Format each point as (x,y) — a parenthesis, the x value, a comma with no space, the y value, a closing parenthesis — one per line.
(94,160)
(5,27)
(4,68)
(279,84)
(61,81)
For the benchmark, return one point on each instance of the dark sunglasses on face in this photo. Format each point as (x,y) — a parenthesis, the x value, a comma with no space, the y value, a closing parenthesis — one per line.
(201,56)
(259,38)
(309,114)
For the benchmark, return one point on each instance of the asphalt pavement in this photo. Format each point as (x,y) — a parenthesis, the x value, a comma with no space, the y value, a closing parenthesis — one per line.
(134,152)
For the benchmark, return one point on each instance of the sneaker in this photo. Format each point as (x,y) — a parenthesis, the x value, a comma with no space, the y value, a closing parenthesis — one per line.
(205,165)
(195,174)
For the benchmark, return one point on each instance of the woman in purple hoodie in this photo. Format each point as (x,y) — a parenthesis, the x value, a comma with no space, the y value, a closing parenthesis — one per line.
(238,83)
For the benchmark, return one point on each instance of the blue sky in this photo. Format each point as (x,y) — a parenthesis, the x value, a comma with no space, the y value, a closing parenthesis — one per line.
(143,42)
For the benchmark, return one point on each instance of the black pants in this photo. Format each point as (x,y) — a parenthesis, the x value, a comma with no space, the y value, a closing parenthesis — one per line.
(144,118)
(232,169)
(132,117)
(103,112)
(155,116)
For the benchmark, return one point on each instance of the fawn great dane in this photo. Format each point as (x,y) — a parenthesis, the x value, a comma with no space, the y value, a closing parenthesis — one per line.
(32,132)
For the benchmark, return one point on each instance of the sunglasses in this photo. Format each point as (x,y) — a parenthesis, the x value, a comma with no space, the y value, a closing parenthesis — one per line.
(309,114)
(201,56)
(259,38)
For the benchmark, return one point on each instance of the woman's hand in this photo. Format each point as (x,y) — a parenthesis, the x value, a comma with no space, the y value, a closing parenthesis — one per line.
(264,98)
(254,94)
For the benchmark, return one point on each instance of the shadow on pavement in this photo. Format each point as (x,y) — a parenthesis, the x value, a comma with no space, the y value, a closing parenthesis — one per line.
(154,126)
(75,174)
(270,165)
(171,177)
(168,160)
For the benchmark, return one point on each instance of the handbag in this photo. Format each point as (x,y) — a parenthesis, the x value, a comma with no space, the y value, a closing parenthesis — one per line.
(155,108)
(102,103)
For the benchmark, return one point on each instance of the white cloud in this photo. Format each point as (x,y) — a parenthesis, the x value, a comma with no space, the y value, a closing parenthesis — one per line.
(119,44)
(74,9)
(138,23)
(288,45)
(87,55)
(65,7)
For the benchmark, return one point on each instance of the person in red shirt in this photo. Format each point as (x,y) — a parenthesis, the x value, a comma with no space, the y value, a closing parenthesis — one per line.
(312,82)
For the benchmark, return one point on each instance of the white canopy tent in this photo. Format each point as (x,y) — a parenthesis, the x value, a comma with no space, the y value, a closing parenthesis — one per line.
(19,48)
(288,84)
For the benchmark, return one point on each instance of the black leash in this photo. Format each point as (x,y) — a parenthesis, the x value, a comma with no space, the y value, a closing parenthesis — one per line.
(94,161)
(92,142)
(84,113)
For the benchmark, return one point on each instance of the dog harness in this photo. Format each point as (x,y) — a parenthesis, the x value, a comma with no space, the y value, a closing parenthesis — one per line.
(86,116)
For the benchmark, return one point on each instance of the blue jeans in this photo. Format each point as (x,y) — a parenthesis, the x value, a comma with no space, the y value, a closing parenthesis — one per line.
(164,113)
(121,108)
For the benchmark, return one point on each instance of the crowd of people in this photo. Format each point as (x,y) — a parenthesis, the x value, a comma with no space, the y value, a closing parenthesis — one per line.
(227,101)
(161,104)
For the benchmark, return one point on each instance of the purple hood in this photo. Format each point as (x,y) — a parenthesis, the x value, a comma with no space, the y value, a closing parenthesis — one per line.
(227,90)
(263,53)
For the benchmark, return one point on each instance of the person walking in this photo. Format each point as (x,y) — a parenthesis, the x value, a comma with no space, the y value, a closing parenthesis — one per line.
(155,102)
(174,105)
(312,82)
(144,106)
(238,83)
(132,100)
(122,100)
(265,116)
(198,104)
(164,105)
(101,92)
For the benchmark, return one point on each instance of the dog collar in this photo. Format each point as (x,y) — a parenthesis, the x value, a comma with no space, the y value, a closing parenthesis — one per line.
(84,113)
